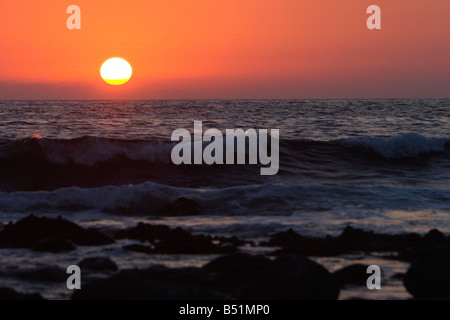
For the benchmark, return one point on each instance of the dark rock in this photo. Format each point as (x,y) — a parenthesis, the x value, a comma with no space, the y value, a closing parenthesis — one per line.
(54,244)
(355,240)
(175,241)
(429,276)
(47,274)
(292,242)
(157,283)
(10,294)
(182,242)
(359,240)
(284,239)
(434,236)
(97,264)
(190,276)
(234,270)
(144,232)
(353,234)
(236,276)
(181,207)
(26,232)
(291,277)
(354,274)
(233,241)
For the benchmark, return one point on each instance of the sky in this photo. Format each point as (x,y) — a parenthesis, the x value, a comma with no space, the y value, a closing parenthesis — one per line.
(233,49)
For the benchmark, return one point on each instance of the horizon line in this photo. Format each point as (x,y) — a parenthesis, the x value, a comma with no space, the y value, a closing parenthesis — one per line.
(233,99)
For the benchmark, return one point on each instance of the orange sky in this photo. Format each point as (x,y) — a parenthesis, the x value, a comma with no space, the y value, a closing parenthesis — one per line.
(226,49)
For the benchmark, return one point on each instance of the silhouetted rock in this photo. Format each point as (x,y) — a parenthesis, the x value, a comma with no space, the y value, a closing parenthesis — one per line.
(429,276)
(434,236)
(97,264)
(182,242)
(157,283)
(180,207)
(292,242)
(10,294)
(353,234)
(231,241)
(291,277)
(46,274)
(144,232)
(354,240)
(179,241)
(432,239)
(354,274)
(26,232)
(234,270)
(175,241)
(236,276)
(54,244)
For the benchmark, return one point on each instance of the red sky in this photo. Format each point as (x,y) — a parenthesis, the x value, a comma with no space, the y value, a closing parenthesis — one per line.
(226,49)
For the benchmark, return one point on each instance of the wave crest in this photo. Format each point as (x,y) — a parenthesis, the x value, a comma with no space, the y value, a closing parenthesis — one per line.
(86,151)
(400,146)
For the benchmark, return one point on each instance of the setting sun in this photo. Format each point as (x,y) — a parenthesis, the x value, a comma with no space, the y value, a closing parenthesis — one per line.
(116,71)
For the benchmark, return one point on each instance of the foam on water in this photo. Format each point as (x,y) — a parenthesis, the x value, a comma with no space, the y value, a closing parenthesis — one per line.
(400,146)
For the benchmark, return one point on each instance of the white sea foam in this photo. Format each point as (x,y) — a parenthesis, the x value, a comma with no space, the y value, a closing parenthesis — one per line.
(400,146)
(281,199)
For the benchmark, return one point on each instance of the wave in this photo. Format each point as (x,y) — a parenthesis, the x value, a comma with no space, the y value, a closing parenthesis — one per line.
(87,151)
(255,200)
(90,151)
(400,146)
(47,164)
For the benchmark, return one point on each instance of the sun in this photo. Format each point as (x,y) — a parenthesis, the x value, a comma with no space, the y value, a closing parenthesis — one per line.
(116,71)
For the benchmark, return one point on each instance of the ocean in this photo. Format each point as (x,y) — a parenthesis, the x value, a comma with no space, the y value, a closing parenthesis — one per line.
(381,165)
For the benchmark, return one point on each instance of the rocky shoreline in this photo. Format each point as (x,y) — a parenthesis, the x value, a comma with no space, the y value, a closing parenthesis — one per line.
(284,271)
